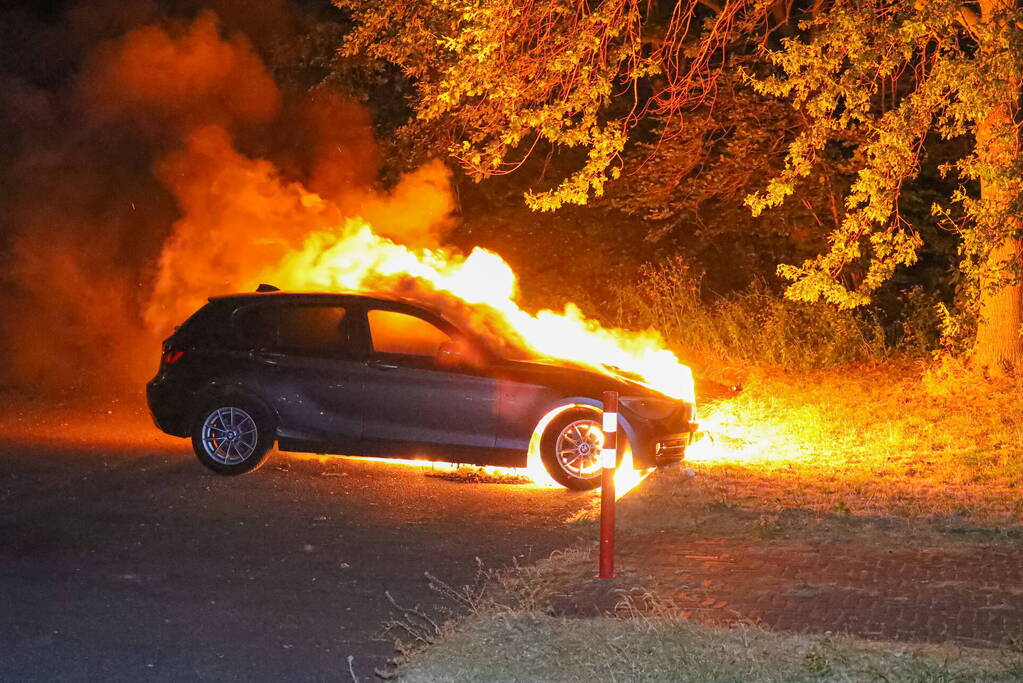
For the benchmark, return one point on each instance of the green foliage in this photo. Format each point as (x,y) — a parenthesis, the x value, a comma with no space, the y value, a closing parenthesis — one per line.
(689,183)
(890,75)
(847,100)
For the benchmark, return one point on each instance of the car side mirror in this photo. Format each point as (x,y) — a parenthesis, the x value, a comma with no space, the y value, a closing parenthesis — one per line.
(457,353)
(451,354)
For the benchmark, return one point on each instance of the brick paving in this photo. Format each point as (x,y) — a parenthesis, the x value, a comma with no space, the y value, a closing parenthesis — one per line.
(971,595)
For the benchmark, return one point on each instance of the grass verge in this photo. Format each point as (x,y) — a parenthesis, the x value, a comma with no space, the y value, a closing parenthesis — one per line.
(536,647)
(859,448)
(879,455)
(510,636)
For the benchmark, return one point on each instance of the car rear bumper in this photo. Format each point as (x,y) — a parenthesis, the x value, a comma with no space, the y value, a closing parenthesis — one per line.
(168,406)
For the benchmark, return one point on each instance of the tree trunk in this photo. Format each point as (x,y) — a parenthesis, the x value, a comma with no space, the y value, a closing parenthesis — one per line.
(999,345)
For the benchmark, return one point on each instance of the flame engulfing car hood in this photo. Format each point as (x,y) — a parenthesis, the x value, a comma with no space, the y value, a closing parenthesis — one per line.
(574,379)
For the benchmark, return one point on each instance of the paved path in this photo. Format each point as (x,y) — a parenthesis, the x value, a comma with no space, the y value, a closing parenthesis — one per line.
(122,559)
(969,594)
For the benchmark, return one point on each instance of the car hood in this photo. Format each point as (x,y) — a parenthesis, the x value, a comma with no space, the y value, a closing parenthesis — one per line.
(573,378)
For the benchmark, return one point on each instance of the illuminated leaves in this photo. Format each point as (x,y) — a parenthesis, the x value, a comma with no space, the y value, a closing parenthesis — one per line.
(503,75)
(878,78)
(890,75)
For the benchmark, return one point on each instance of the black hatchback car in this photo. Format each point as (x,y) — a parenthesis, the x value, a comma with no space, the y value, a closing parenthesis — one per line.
(381,376)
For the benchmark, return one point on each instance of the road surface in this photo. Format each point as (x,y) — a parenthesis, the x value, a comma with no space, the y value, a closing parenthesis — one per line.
(122,559)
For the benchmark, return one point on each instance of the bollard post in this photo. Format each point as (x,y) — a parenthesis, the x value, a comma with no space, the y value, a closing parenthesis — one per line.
(608,459)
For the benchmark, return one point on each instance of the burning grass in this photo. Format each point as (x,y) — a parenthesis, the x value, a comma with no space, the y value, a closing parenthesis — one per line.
(883,449)
(857,446)
(479,475)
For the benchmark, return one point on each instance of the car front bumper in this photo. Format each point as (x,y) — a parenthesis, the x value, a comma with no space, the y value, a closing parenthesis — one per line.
(661,442)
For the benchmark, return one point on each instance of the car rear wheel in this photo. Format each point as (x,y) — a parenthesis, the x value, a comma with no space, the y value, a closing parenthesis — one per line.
(232,437)
(570,449)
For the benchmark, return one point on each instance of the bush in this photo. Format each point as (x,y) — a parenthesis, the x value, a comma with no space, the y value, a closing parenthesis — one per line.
(755,326)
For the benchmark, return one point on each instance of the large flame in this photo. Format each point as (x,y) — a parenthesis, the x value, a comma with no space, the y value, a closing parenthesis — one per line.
(354,258)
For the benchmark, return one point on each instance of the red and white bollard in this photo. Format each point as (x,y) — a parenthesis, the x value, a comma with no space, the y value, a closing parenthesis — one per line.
(608,460)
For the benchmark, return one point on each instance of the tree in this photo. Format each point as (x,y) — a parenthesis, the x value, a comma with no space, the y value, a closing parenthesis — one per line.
(896,73)
(504,77)
(880,78)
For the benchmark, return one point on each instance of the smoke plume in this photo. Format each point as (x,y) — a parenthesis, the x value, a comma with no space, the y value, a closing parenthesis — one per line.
(168,169)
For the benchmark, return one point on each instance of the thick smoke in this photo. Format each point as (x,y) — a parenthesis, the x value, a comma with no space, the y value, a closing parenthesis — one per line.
(169,169)
(242,219)
(171,77)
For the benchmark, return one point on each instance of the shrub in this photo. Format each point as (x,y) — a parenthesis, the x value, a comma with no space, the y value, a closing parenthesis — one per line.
(756,325)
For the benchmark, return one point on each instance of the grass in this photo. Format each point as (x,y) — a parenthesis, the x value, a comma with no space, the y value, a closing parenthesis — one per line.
(878,450)
(509,636)
(883,455)
(536,647)
(862,444)
(759,326)
(468,474)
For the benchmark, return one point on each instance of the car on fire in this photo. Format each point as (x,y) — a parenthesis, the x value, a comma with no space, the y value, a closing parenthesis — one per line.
(379,375)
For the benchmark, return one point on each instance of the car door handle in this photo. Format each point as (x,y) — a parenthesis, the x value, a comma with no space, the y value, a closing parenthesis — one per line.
(382,365)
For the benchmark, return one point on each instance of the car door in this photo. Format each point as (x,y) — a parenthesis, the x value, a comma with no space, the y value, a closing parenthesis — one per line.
(410,399)
(311,370)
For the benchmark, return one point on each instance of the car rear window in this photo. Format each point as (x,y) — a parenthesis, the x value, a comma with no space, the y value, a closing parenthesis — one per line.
(313,329)
(394,332)
(207,326)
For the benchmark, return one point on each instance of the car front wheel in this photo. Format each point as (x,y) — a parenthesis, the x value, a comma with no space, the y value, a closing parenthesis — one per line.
(570,449)
(232,437)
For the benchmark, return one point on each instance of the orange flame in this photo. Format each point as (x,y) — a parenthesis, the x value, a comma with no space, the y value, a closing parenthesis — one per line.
(354,258)
(244,222)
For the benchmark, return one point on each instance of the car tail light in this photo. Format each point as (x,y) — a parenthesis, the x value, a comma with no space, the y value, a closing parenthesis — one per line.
(171,357)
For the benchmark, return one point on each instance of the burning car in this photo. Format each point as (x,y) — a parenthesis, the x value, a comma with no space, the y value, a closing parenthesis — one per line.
(378,375)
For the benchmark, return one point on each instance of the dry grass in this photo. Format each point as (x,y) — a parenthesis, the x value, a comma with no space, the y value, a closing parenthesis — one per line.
(512,637)
(535,647)
(478,475)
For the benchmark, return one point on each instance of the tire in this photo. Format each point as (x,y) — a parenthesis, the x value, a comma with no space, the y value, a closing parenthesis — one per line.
(579,471)
(233,436)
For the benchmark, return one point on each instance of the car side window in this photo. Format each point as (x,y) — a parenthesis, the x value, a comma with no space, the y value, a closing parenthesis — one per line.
(400,333)
(257,326)
(313,329)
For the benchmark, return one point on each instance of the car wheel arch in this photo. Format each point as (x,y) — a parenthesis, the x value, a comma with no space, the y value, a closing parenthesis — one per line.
(555,408)
(216,392)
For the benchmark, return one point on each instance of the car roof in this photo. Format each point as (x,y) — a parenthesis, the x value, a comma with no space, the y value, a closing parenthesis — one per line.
(377,297)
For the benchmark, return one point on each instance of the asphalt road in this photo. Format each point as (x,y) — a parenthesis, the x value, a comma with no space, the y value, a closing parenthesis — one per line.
(121,559)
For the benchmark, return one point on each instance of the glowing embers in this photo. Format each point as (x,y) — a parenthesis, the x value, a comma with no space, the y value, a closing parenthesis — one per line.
(494,471)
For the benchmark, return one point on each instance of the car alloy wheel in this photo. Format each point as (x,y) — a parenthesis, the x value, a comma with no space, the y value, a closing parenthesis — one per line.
(578,448)
(229,435)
